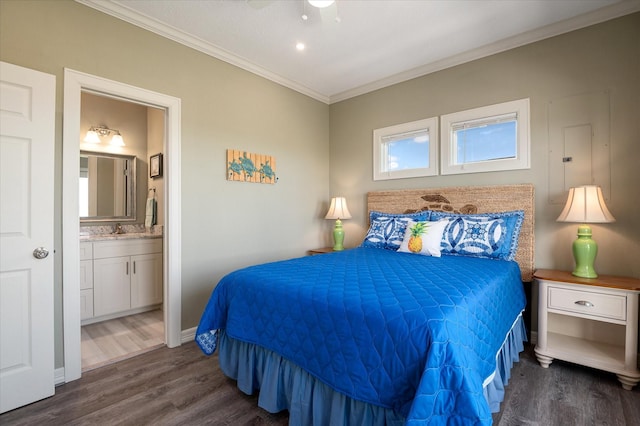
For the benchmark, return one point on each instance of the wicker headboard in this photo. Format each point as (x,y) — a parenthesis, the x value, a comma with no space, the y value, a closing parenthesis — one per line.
(468,200)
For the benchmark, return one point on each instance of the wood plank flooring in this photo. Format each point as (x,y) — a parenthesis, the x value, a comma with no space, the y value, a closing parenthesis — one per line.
(114,340)
(179,386)
(565,395)
(182,386)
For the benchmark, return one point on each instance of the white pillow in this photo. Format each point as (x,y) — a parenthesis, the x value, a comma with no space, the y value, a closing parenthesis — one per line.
(423,237)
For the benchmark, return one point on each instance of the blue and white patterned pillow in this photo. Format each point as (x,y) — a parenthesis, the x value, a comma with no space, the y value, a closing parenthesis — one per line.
(386,230)
(492,235)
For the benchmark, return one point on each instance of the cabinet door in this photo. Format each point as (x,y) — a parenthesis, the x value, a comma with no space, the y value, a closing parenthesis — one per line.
(146,280)
(111,285)
(86,251)
(86,274)
(86,304)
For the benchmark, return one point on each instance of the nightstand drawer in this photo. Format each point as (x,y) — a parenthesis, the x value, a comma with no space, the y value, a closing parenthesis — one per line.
(588,303)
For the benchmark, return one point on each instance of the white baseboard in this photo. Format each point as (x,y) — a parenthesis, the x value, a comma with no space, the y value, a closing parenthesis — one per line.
(188,335)
(58,376)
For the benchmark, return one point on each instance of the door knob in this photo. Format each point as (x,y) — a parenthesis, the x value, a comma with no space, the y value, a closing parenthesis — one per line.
(40,253)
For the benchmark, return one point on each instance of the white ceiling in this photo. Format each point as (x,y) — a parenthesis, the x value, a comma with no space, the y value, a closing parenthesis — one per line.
(376,43)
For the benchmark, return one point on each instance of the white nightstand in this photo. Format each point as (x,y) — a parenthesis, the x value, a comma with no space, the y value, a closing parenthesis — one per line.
(592,322)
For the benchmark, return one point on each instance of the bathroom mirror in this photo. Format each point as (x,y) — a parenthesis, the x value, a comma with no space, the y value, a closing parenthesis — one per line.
(107,187)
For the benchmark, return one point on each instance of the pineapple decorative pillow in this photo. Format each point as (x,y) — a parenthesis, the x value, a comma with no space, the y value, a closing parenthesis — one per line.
(423,237)
(386,230)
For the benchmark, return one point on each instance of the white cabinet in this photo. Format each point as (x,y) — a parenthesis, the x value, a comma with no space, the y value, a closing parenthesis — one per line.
(127,277)
(86,281)
(593,322)
(147,273)
(111,285)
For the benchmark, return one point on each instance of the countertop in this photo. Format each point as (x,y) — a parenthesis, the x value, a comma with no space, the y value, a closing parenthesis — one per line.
(124,236)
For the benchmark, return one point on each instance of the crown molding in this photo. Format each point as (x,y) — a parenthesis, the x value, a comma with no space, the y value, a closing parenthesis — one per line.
(138,19)
(131,16)
(616,10)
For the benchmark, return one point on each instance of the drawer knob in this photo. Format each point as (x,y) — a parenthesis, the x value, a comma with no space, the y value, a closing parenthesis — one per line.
(584,303)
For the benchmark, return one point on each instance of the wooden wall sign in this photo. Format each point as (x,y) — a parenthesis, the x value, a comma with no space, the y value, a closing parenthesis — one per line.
(247,167)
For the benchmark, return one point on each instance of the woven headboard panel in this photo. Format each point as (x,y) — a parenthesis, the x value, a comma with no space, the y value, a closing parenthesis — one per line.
(468,200)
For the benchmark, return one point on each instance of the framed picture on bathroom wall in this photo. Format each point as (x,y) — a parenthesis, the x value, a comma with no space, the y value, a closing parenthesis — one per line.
(155,166)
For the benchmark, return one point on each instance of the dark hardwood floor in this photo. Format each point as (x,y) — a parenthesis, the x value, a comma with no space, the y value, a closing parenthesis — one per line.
(179,386)
(565,395)
(182,386)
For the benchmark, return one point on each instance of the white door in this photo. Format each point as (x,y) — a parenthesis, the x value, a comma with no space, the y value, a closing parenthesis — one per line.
(27,113)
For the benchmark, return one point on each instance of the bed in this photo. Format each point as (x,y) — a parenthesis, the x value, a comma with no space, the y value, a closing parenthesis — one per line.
(373,335)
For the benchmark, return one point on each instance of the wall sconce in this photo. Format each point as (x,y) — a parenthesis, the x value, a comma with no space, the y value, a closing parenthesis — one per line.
(94,134)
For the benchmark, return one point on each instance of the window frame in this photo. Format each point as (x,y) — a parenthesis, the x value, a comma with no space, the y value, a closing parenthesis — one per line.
(523,145)
(379,136)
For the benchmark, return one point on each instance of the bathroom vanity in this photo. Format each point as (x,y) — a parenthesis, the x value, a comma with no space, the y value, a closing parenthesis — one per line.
(119,275)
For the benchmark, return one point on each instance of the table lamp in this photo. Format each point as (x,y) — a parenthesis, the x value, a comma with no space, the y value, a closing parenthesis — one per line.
(338,210)
(585,204)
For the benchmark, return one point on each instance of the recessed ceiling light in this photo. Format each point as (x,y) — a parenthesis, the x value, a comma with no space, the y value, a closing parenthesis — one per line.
(300,46)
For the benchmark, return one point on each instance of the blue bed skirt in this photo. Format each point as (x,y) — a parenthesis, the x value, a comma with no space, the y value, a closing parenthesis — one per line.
(282,385)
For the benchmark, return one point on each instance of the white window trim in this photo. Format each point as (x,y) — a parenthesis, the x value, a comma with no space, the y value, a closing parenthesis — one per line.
(379,135)
(523,145)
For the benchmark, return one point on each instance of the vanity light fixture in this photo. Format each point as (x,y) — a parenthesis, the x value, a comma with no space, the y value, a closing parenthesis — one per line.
(96,132)
(117,140)
(92,136)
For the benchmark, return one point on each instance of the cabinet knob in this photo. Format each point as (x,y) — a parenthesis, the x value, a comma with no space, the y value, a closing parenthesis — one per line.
(584,303)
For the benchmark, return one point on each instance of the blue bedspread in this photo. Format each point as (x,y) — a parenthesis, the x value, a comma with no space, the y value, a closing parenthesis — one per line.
(412,333)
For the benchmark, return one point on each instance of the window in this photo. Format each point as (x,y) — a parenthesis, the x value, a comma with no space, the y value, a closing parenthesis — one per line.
(406,150)
(486,139)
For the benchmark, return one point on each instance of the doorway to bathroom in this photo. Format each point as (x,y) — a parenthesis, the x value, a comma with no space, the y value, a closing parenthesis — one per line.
(77,85)
(121,199)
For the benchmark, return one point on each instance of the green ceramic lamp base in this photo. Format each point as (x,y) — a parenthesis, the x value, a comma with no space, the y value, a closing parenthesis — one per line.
(338,236)
(584,252)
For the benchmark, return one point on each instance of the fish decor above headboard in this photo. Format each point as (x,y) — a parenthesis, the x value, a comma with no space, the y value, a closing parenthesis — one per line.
(247,167)
(440,203)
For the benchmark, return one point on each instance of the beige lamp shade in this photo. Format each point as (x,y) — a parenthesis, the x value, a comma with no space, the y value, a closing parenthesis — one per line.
(338,209)
(585,204)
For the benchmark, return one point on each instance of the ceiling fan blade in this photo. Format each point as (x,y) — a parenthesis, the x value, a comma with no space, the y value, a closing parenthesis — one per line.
(330,13)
